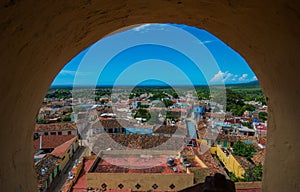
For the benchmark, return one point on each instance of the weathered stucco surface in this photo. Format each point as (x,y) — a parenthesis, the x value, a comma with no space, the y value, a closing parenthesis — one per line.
(39,37)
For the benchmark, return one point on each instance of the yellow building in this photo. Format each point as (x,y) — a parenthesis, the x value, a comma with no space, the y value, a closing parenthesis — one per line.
(65,151)
(229,161)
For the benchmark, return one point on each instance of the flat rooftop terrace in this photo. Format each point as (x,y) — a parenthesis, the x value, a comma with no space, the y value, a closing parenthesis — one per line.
(139,164)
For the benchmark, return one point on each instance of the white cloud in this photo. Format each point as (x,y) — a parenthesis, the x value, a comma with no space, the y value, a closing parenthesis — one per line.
(67,72)
(254,78)
(243,77)
(221,77)
(73,73)
(141,27)
(208,41)
(150,26)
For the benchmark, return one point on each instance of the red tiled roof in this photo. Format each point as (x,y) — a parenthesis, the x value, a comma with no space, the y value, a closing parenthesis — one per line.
(243,162)
(225,137)
(60,150)
(109,123)
(208,160)
(166,129)
(51,141)
(55,127)
(259,157)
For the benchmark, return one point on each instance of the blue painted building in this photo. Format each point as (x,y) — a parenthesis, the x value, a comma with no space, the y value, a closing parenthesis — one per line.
(198,111)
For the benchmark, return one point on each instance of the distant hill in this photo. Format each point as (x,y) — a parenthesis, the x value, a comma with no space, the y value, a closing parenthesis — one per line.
(251,83)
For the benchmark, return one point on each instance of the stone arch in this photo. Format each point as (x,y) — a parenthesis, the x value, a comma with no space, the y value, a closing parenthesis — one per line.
(39,37)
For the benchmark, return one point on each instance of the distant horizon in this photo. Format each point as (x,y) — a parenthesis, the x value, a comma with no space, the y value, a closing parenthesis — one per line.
(255,82)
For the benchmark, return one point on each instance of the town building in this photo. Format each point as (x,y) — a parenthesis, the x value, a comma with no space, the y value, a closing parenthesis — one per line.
(64,128)
(110,171)
(46,170)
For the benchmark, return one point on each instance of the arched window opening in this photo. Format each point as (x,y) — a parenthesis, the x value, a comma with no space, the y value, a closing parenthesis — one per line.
(151,101)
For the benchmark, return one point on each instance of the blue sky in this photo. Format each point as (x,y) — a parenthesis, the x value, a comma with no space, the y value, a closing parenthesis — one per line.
(155,53)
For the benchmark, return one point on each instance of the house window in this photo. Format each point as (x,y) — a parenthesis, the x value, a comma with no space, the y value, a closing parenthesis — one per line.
(68,151)
(46,133)
(63,158)
(53,133)
(69,132)
(59,133)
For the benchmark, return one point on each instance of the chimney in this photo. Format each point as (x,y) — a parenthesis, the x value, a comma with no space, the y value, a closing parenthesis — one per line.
(41,142)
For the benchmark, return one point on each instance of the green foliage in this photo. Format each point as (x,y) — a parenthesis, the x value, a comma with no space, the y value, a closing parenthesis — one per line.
(144,106)
(263,116)
(103,92)
(203,93)
(41,121)
(168,102)
(157,95)
(234,178)
(60,94)
(170,116)
(66,118)
(251,174)
(254,173)
(241,149)
(142,113)
(234,102)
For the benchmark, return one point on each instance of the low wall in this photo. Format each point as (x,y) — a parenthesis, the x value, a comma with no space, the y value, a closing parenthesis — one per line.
(139,182)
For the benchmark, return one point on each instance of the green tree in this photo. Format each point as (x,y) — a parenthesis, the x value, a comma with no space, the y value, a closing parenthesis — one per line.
(241,149)
(41,121)
(263,116)
(254,173)
(66,118)
(251,174)
(168,102)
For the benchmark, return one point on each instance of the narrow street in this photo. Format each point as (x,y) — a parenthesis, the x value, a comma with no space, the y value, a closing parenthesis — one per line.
(62,178)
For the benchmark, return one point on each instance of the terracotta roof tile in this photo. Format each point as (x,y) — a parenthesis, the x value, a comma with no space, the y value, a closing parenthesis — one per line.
(60,150)
(49,162)
(109,123)
(55,127)
(259,157)
(243,161)
(51,141)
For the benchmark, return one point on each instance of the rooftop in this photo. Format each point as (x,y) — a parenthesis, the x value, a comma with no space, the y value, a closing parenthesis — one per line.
(166,129)
(60,150)
(50,141)
(243,161)
(259,157)
(226,137)
(66,126)
(48,164)
(139,164)
(109,123)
